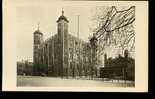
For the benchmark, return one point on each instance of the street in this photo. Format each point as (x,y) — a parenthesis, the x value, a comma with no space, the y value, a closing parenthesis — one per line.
(37,81)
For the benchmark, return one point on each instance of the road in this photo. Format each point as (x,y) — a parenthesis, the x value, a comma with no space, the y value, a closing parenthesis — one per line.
(36,81)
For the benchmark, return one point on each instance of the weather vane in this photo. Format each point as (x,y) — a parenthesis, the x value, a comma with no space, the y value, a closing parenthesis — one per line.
(62,11)
(38,25)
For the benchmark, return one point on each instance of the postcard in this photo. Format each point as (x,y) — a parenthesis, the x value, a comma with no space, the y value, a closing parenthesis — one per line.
(86,46)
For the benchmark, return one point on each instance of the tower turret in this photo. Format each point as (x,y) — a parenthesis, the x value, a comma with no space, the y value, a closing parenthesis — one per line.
(105,59)
(63,44)
(38,39)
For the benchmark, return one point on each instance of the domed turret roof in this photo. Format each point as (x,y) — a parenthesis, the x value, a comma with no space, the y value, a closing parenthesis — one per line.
(38,31)
(62,17)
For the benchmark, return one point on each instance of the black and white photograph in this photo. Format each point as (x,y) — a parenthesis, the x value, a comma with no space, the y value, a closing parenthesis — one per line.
(87,45)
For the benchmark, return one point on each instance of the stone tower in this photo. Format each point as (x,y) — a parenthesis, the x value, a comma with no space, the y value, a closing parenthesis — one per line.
(62,23)
(38,39)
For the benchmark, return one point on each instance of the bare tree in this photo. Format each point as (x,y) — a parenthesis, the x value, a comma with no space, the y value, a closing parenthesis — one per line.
(115,28)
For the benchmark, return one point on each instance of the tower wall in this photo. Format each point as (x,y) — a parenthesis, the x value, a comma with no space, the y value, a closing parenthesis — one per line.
(63,47)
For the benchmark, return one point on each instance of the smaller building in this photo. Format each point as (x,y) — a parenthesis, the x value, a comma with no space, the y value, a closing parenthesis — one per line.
(119,67)
(24,68)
